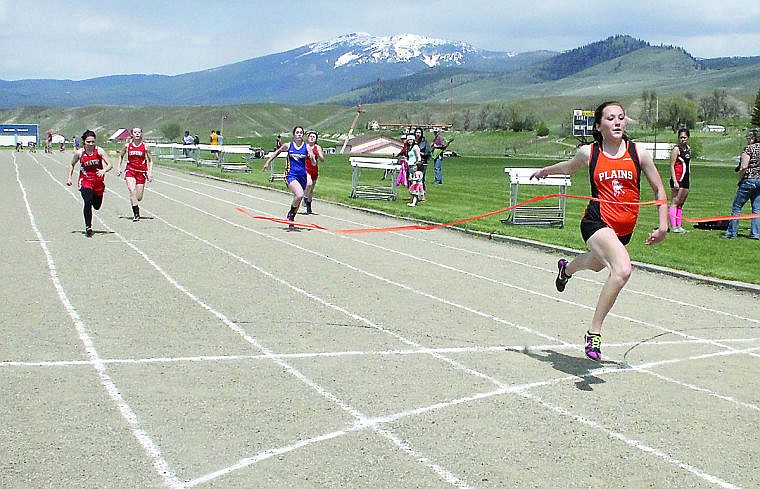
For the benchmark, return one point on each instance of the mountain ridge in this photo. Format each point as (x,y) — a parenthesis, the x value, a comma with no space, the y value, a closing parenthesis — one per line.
(358,68)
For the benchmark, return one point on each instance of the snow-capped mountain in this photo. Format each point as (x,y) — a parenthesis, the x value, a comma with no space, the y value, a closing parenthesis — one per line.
(307,74)
(362,48)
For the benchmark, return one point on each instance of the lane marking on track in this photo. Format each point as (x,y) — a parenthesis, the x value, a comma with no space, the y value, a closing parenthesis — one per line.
(619,436)
(150,448)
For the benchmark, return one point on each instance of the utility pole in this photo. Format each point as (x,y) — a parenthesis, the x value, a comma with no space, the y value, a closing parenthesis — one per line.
(379,99)
(359,110)
(451,101)
(656,119)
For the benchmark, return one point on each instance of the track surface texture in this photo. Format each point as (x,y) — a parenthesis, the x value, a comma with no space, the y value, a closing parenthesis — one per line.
(202,348)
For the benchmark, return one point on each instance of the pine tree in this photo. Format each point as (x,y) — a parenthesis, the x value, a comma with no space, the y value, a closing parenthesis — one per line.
(755,121)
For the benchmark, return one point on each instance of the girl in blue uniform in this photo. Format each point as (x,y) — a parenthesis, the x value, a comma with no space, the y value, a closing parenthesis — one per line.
(295,169)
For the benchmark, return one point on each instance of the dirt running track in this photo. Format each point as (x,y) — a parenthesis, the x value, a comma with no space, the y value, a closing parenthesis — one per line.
(202,348)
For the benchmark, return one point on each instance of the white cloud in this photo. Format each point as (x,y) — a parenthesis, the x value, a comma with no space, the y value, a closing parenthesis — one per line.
(78,39)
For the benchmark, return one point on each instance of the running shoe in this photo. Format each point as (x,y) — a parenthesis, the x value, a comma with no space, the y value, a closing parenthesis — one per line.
(291,216)
(562,277)
(593,346)
(136,219)
(88,232)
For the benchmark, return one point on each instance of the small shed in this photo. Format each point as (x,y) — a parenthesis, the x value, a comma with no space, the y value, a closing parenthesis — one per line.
(120,135)
(713,128)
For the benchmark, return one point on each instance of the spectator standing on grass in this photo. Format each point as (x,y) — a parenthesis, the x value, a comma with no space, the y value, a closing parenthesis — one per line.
(93,166)
(615,164)
(312,167)
(415,185)
(295,170)
(439,144)
(413,156)
(213,140)
(403,174)
(749,188)
(187,140)
(419,139)
(139,169)
(680,171)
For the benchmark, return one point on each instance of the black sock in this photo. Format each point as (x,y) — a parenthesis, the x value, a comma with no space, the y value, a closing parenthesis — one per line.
(136,210)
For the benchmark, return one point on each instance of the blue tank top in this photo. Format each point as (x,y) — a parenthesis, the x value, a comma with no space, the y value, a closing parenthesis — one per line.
(296,164)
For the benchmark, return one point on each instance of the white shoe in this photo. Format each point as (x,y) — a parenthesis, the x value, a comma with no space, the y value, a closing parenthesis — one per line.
(411,204)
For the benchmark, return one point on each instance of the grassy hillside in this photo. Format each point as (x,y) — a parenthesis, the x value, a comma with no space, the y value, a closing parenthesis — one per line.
(667,71)
(258,124)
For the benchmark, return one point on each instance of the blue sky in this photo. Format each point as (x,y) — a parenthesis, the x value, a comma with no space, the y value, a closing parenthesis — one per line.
(77,39)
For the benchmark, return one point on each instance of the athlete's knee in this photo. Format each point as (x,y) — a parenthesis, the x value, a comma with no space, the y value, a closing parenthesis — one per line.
(621,272)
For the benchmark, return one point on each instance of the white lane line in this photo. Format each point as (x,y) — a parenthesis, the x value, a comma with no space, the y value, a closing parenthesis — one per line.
(425,294)
(354,353)
(521,390)
(751,351)
(357,269)
(150,448)
(416,237)
(446,475)
(445,359)
(712,479)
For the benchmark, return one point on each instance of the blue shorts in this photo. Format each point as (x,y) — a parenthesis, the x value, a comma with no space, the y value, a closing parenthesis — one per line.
(298,178)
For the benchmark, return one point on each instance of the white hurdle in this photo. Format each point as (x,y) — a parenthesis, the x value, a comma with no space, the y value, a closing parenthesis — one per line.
(538,214)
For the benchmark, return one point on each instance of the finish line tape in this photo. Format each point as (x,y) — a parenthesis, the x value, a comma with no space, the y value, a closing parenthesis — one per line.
(421,227)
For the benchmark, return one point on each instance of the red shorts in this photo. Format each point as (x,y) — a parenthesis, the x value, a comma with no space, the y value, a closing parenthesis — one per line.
(138,175)
(313,171)
(97,185)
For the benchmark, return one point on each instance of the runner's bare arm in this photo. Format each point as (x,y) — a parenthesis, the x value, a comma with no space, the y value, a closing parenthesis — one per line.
(74,161)
(653,176)
(567,167)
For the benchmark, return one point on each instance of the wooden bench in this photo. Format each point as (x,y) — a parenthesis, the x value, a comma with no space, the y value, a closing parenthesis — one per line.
(540,213)
(386,167)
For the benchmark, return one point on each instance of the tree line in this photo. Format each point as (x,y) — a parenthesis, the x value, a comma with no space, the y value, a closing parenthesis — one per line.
(685,110)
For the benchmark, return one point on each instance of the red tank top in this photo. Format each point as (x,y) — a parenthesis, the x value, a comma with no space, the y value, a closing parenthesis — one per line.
(136,157)
(88,168)
(616,180)
(311,165)
(90,164)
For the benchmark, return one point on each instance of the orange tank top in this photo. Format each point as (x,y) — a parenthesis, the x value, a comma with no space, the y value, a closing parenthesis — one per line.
(615,180)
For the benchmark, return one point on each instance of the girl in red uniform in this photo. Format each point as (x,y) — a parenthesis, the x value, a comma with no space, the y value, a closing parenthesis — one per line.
(139,169)
(312,167)
(615,164)
(93,166)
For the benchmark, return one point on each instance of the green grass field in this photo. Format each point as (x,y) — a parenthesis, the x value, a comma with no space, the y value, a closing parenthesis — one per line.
(478,185)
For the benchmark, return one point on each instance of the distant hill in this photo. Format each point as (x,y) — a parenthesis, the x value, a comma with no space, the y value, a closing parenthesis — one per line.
(616,67)
(307,74)
(359,68)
